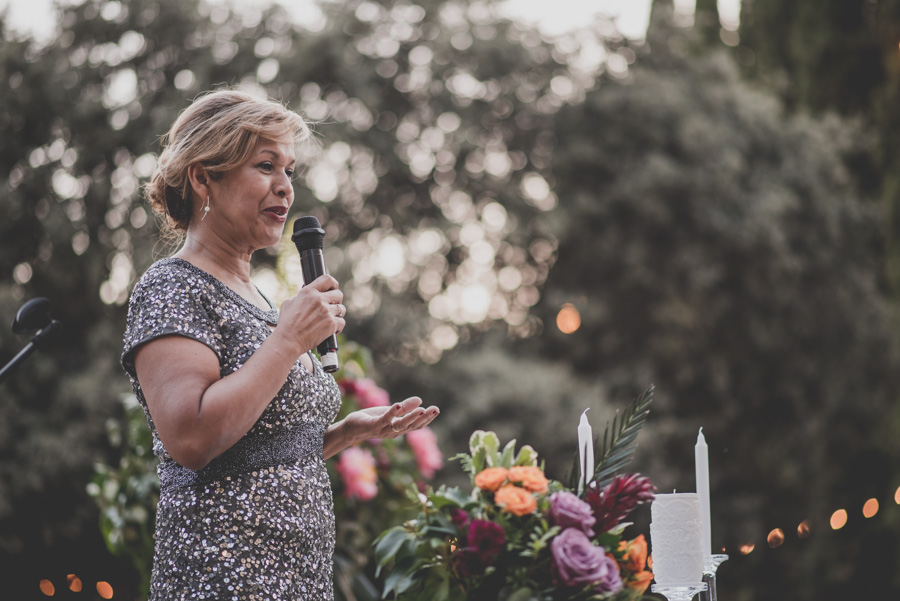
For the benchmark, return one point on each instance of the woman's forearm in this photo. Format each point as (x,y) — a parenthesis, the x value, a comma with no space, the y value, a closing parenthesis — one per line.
(337,438)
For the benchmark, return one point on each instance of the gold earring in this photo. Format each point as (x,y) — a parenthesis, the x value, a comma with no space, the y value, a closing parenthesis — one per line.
(205,209)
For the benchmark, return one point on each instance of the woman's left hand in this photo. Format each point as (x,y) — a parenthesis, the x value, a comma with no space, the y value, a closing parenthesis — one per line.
(392,421)
(378,422)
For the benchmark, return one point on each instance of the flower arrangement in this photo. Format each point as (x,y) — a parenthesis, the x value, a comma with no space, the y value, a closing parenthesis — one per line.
(520,536)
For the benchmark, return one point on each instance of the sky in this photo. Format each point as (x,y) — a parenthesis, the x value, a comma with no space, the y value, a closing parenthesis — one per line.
(553,17)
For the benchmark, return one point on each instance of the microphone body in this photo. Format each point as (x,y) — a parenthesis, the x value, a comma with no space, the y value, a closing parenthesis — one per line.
(309,237)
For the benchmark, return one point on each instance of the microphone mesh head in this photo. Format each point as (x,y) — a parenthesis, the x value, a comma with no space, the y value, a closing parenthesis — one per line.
(306,223)
(308,233)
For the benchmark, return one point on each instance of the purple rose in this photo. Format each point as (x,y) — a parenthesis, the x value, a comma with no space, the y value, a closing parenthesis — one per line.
(577,562)
(568,511)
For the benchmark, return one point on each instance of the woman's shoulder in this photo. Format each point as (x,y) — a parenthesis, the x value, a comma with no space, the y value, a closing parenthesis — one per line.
(172,275)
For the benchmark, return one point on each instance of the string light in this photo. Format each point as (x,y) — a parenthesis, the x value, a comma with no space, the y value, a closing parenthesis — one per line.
(104,590)
(838,519)
(775,538)
(870,508)
(74,583)
(746,549)
(47,588)
(803,529)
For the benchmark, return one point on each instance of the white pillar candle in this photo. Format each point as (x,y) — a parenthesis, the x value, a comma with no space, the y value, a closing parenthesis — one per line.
(675,539)
(585,450)
(701,463)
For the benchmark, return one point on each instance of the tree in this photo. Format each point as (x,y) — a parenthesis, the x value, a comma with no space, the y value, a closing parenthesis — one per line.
(842,57)
(716,246)
(424,150)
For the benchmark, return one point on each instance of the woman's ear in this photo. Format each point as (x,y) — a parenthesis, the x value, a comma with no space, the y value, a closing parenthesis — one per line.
(199,178)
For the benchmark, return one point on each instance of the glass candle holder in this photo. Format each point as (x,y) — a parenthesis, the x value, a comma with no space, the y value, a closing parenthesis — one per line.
(682,592)
(711,564)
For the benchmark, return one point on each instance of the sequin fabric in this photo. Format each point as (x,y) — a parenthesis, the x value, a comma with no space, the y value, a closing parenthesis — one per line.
(258,523)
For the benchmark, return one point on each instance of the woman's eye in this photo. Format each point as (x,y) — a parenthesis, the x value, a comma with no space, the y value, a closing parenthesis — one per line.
(267,166)
(290,172)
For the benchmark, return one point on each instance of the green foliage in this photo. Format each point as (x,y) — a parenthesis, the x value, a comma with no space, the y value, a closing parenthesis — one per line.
(617,448)
(430,557)
(127,494)
(484,451)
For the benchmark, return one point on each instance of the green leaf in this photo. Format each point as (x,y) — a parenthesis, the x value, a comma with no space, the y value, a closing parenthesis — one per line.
(402,577)
(445,530)
(619,438)
(506,458)
(522,594)
(389,543)
(527,456)
(450,496)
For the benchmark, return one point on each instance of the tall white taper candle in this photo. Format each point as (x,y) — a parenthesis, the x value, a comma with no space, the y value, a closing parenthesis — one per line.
(701,462)
(585,450)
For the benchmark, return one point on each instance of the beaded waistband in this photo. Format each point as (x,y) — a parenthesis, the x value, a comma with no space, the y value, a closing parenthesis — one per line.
(247,455)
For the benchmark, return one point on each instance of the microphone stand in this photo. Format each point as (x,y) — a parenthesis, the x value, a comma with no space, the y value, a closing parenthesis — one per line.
(34,314)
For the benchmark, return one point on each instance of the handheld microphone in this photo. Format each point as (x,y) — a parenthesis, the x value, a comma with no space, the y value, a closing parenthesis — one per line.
(308,237)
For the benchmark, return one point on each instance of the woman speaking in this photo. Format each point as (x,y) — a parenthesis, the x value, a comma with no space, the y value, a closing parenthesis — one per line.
(240,410)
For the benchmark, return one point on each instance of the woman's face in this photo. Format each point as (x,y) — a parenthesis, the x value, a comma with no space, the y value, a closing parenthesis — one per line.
(250,203)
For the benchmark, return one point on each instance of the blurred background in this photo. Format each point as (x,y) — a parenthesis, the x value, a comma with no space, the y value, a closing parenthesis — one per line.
(530,212)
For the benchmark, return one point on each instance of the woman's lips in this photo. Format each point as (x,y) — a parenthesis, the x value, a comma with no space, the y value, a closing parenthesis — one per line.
(279,214)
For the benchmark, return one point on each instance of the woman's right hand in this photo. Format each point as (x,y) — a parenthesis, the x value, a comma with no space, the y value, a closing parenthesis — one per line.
(312,315)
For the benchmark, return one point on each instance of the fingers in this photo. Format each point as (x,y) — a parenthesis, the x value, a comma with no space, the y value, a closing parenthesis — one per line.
(324,283)
(409,415)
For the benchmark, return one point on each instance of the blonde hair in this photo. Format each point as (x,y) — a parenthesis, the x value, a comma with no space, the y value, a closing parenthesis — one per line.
(219,130)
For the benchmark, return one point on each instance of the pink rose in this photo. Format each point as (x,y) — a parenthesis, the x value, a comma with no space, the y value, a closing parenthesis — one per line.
(357,468)
(424,446)
(368,394)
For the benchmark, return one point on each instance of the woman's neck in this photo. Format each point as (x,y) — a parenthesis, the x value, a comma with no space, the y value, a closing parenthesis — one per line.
(213,256)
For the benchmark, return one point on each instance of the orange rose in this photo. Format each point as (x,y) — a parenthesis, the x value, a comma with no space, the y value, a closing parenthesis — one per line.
(515,500)
(640,581)
(490,478)
(531,478)
(635,554)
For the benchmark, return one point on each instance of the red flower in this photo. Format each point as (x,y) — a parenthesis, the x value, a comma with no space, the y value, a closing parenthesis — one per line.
(483,544)
(618,499)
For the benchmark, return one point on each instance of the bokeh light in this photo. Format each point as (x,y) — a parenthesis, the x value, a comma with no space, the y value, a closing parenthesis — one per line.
(746,549)
(775,538)
(803,529)
(838,519)
(105,590)
(74,583)
(870,508)
(568,320)
(47,588)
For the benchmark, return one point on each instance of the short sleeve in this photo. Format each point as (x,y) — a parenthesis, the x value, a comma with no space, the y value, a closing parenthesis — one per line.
(168,301)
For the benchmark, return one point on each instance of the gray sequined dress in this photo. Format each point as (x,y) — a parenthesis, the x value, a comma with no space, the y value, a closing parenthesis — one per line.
(258,522)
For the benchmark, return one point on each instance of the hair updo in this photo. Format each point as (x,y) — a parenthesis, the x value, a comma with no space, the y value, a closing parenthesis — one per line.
(218,130)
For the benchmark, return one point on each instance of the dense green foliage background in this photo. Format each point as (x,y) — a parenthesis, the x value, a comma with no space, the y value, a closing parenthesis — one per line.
(721,215)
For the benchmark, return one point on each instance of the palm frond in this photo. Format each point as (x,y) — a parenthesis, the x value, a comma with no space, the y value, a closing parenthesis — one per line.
(619,437)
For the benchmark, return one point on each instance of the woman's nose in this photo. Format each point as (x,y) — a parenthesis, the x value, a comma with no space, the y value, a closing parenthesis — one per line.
(283,186)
